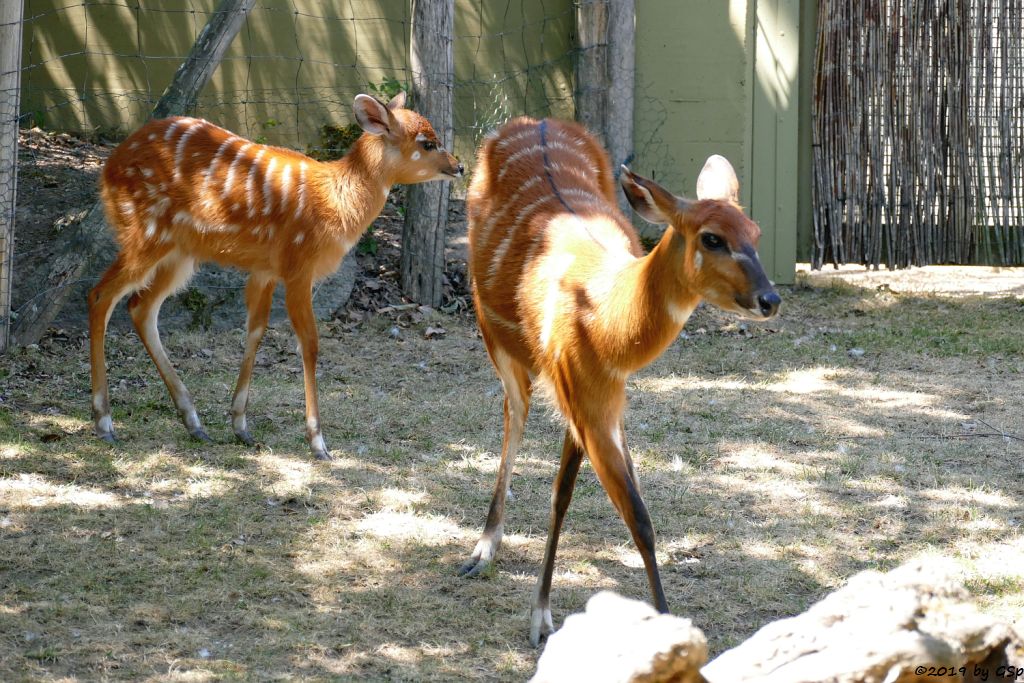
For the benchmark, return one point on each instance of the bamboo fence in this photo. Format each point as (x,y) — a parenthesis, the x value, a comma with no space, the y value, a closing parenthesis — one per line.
(918,133)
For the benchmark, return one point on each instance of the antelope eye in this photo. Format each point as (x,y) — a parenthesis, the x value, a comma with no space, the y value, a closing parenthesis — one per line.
(429,146)
(712,242)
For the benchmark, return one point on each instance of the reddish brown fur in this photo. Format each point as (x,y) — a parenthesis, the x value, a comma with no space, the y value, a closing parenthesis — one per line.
(564,295)
(179,192)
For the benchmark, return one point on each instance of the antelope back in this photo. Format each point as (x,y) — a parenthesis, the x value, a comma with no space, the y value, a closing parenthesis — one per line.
(542,192)
(185,184)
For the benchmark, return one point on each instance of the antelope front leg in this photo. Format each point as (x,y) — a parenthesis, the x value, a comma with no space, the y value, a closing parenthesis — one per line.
(299,302)
(561,495)
(610,457)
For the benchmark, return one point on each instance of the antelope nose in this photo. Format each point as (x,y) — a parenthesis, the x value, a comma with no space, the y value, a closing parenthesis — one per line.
(769,303)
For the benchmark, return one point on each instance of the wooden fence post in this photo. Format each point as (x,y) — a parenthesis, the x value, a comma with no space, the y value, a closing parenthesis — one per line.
(433,74)
(90,237)
(10,98)
(605,76)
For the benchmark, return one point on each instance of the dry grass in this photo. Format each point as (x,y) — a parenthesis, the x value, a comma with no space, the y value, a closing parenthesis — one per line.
(860,430)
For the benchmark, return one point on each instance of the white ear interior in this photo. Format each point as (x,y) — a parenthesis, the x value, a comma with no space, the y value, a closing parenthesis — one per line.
(640,198)
(371,115)
(718,180)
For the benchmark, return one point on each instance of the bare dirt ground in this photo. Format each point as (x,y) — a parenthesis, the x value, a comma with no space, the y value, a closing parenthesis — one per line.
(877,420)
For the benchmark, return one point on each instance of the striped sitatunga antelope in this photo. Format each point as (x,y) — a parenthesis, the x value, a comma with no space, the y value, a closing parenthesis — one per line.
(181,191)
(566,298)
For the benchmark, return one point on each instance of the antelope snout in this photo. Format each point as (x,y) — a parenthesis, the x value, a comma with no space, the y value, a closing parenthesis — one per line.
(768,303)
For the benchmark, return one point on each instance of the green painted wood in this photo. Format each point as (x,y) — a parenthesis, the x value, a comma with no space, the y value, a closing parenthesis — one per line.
(775,128)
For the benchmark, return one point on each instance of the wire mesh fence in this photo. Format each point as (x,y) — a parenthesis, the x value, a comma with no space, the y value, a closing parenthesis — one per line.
(96,68)
(919,133)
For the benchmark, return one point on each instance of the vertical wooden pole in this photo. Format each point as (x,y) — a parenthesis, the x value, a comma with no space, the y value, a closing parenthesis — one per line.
(433,75)
(10,99)
(605,76)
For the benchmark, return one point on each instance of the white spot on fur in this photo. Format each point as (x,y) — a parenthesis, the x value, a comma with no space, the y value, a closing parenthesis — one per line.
(698,260)
(147,173)
(299,237)
(552,270)
(422,172)
(678,314)
(150,228)
(415,156)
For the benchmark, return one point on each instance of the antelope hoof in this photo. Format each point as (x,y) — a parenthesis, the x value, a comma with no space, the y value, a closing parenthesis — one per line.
(540,624)
(199,434)
(483,555)
(319,447)
(107,436)
(474,566)
(245,437)
(104,427)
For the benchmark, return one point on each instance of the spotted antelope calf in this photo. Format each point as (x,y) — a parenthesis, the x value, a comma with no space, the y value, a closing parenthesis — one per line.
(181,191)
(566,298)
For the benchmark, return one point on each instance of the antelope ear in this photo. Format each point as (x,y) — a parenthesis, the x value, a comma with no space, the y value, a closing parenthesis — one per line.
(398,101)
(717,180)
(372,116)
(649,199)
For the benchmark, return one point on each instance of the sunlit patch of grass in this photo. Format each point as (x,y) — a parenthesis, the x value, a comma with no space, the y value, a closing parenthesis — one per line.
(774,462)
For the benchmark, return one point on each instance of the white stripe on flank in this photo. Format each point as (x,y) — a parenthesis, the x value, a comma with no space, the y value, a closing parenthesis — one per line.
(150,228)
(216,160)
(179,150)
(231,170)
(529,208)
(250,183)
(513,230)
(169,133)
(268,181)
(486,228)
(516,157)
(494,317)
(521,135)
(286,185)
(585,195)
(302,190)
